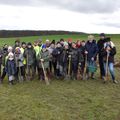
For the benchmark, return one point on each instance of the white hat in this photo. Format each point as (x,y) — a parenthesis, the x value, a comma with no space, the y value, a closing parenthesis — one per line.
(65,44)
(47,40)
(10,48)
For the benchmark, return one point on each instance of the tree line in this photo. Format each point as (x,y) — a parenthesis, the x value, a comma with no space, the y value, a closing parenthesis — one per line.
(23,33)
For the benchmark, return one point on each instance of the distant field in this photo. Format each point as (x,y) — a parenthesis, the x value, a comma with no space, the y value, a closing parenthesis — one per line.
(63,99)
(55,37)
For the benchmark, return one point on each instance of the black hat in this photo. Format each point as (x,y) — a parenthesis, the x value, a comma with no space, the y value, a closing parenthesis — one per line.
(23,43)
(102,34)
(29,43)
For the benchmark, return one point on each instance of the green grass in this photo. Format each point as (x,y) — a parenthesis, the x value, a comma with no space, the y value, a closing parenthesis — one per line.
(61,100)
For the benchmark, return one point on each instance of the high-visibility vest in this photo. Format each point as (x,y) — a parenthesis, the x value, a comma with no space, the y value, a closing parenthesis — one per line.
(22,51)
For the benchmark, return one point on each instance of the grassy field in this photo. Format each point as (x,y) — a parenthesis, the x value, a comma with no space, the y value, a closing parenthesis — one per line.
(62,100)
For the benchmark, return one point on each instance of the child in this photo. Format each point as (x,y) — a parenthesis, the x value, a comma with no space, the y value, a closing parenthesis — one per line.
(10,68)
(19,64)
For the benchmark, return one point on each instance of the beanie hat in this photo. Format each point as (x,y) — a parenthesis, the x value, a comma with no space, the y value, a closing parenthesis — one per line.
(43,46)
(29,43)
(65,44)
(70,40)
(102,35)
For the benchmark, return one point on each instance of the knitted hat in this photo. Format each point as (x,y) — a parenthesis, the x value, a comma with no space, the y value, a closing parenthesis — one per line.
(43,46)
(102,35)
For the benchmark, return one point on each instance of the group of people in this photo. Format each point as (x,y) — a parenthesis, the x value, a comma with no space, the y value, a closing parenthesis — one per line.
(61,59)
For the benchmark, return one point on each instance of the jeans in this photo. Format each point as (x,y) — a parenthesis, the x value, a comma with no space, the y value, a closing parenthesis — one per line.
(111,69)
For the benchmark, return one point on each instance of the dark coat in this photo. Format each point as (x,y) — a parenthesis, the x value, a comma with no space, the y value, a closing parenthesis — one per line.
(92,49)
(4,54)
(56,54)
(76,55)
(30,56)
(100,45)
(46,57)
(10,67)
(111,54)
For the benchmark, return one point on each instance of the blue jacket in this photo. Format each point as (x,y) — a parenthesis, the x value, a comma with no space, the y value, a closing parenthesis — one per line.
(10,67)
(92,50)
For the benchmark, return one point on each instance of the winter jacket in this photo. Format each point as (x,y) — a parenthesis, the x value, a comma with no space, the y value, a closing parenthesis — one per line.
(10,67)
(30,55)
(76,55)
(100,45)
(46,57)
(4,55)
(112,53)
(92,50)
(19,60)
(56,54)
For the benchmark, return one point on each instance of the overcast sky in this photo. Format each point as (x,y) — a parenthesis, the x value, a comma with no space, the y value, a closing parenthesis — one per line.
(91,16)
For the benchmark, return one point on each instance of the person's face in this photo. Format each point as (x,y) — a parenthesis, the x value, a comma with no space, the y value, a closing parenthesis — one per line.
(52,46)
(83,43)
(17,43)
(74,45)
(59,45)
(44,49)
(24,46)
(102,37)
(66,47)
(29,46)
(79,43)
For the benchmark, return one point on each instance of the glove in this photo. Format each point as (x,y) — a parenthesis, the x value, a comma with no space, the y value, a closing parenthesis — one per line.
(69,56)
(42,60)
(92,58)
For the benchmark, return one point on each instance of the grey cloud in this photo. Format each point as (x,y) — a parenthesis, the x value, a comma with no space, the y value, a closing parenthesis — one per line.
(82,6)
(110,24)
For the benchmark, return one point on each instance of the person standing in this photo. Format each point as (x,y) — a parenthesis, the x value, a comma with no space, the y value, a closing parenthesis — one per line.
(100,44)
(108,52)
(91,50)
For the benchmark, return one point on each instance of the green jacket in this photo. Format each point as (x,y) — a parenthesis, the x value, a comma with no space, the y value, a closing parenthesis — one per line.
(46,57)
(30,56)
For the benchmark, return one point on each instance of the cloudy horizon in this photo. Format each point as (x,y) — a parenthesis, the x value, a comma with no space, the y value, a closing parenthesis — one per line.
(93,16)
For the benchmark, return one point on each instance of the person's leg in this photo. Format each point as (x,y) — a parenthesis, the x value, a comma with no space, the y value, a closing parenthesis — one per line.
(75,69)
(3,75)
(22,72)
(102,68)
(33,72)
(111,68)
(87,70)
(17,75)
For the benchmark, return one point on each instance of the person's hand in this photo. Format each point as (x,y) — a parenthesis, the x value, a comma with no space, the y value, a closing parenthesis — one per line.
(42,60)
(108,48)
(86,52)
(92,58)
(69,56)
(79,63)
(58,52)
